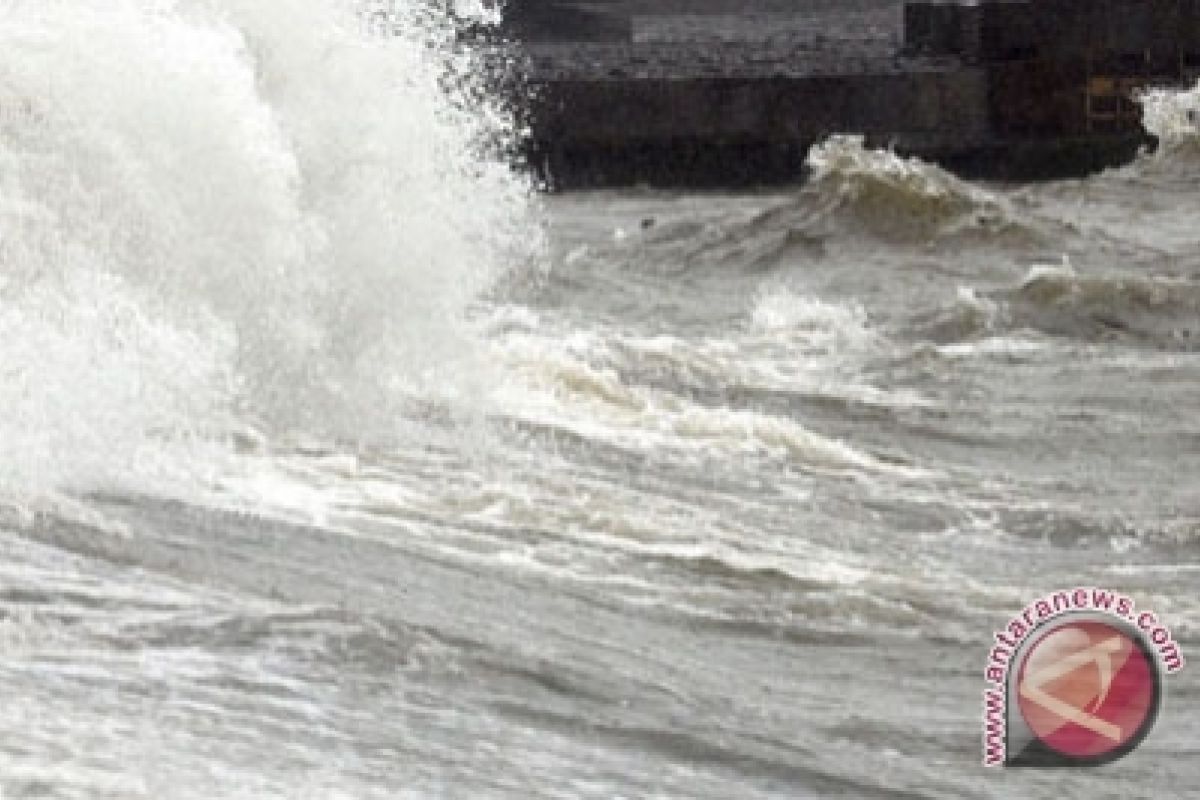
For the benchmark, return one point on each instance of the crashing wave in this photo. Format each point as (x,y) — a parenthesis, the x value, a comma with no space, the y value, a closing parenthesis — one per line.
(896,197)
(1173,116)
(209,214)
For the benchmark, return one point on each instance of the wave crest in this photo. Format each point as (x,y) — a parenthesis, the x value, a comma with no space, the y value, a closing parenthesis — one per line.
(1159,311)
(1056,300)
(1173,116)
(896,197)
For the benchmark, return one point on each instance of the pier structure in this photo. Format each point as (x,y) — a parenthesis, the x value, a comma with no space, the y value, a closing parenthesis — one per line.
(717,93)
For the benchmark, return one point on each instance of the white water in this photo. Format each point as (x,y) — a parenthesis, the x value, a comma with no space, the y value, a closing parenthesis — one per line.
(228,214)
(766,471)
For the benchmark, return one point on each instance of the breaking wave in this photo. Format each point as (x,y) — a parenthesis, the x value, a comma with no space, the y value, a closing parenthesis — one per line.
(213,220)
(896,197)
(858,194)
(1155,310)
(1057,300)
(1174,117)
(855,195)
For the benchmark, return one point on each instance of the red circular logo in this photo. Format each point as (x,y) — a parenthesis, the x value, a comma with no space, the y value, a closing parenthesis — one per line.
(1089,690)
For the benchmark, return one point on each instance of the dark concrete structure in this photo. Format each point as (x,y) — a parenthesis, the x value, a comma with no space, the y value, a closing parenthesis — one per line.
(616,93)
(558,21)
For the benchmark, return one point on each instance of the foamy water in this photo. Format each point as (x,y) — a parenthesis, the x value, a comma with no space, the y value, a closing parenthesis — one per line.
(340,465)
(215,216)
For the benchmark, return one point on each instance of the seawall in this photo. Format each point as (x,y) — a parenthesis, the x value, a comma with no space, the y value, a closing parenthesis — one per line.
(1011,90)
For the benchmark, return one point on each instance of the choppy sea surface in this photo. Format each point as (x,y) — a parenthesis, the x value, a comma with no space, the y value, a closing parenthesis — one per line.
(338,463)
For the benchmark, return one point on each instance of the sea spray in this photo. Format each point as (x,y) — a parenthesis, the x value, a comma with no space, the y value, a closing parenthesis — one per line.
(224,214)
(1173,116)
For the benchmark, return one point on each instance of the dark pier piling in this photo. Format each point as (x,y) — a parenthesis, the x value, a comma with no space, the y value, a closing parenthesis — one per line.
(695,93)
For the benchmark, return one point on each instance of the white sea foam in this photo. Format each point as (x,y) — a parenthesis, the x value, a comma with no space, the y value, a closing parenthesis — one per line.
(231,213)
(1172,115)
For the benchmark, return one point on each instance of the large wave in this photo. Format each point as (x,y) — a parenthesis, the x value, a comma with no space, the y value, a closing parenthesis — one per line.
(881,192)
(858,194)
(230,213)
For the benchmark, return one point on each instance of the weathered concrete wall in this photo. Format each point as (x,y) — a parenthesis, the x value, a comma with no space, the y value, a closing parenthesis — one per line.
(565,21)
(942,28)
(754,25)
(1011,88)
(1039,98)
(781,109)
(724,7)
(1064,28)
(1003,30)
(715,130)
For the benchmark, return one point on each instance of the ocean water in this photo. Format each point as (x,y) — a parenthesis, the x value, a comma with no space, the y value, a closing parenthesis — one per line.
(339,463)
